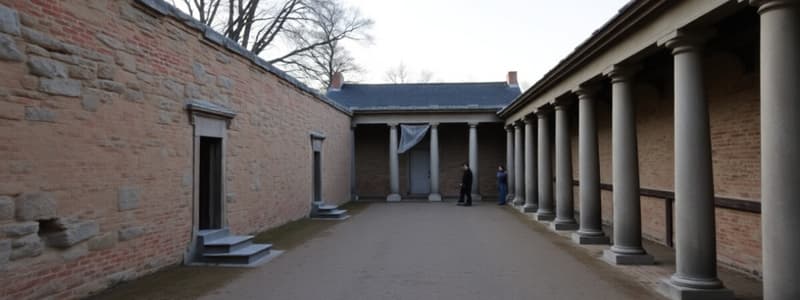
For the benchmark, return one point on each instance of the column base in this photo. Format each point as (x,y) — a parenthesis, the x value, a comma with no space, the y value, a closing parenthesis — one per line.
(393,198)
(435,197)
(530,208)
(563,226)
(676,292)
(518,201)
(476,197)
(581,239)
(354,197)
(544,216)
(510,198)
(615,258)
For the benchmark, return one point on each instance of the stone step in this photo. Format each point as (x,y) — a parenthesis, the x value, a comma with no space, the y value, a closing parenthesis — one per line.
(244,256)
(327,207)
(227,244)
(338,214)
(212,234)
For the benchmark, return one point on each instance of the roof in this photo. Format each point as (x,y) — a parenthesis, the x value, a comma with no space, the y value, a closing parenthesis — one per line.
(425,96)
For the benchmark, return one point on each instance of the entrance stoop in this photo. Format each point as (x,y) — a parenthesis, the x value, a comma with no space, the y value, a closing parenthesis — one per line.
(328,212)
(219,247)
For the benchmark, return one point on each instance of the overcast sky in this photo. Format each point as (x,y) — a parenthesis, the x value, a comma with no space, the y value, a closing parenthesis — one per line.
(476,40)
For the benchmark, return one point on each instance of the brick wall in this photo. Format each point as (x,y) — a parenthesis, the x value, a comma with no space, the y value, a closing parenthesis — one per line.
(94,134)
(372,159)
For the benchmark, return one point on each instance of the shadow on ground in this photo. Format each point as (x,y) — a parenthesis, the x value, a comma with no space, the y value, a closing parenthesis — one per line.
(183,282)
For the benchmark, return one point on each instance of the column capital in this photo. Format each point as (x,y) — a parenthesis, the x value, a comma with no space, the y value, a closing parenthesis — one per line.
(766,5)
(473,124)
(543,111)
(509,127)
(519,123)
(622,72)
(434,124)
(529,118)
(684,40)
(587,91)
(392,124)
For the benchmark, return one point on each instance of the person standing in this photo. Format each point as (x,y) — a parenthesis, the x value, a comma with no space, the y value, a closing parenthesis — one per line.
(466,187)
(502,185)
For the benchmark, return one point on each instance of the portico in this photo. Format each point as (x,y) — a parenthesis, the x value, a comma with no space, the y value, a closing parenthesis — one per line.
(652,94)
(412,139)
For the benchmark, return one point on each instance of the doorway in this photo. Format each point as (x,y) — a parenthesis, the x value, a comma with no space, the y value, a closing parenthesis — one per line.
(210,183)
(419,172)
(317,176)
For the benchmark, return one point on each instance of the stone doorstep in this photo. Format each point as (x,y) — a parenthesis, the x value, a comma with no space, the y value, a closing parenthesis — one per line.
(267,258)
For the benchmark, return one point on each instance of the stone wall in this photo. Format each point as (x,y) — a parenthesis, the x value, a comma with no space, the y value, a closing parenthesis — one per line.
(96,176)
(372,159)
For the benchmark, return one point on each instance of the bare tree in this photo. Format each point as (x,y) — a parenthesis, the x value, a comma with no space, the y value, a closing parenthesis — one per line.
(289,33)
(401,74)
(398,74)
(425,76)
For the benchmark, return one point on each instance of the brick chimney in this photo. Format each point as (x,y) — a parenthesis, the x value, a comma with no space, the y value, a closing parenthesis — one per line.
(336,82)
(511,79)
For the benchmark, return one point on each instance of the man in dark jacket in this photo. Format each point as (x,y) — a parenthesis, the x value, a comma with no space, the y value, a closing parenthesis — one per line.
(466,187)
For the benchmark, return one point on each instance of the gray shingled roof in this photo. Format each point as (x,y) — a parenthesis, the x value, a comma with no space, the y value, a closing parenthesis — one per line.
(479,95)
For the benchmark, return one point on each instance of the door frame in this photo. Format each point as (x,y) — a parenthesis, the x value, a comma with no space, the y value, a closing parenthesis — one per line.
(208,120)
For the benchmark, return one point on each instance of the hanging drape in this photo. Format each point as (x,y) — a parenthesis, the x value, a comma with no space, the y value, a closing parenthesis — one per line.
(411,135)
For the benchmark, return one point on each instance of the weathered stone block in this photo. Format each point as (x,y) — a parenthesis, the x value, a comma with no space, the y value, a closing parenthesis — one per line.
(6,208)
(36,50)
(111,86)
(46,67)
(83,71)
(39,114)
(34,206)
(224,82)
(104,241)
(27,246)
(62,87)
(5,253)
(106,71)
(8,49)
(43,40)
(134,95)
(9,20)
(110,41)
(67,58)
(128,198)
(21,229)
(131,232)
(64,233)
(126,61)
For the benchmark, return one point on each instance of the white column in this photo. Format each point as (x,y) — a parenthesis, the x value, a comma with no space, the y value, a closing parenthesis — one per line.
(510,162)
(627,248)
(695,245)
(591,231)
(545,177)
(519,167)
(394,165)
(531,192)
(434,196)
(473,160)
(565,209)
(780,145)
